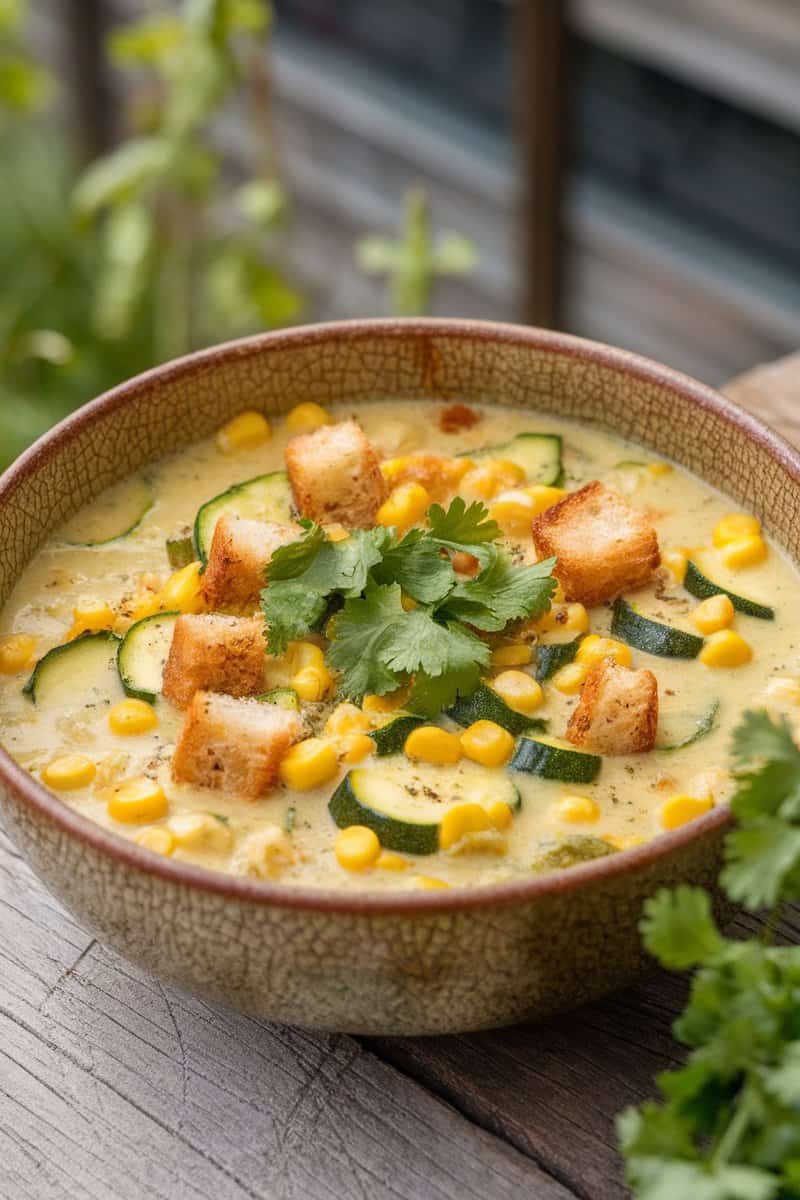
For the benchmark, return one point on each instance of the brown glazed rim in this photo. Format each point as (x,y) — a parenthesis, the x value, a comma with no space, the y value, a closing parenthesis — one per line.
(517,891)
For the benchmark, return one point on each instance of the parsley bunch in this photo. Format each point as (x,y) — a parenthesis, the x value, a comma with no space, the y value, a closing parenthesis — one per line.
(728,1127)
(377,644)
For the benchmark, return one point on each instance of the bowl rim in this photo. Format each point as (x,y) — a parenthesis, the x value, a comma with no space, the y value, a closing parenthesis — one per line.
(128,854)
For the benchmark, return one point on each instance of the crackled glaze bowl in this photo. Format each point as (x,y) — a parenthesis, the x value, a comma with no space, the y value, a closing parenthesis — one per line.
(411,963)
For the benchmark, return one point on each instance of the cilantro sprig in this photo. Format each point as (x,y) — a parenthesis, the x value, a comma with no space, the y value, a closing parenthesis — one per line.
(376,643)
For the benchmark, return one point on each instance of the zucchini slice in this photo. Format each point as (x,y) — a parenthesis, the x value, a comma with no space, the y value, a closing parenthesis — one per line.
(180,551)
(569,852)
(555,762)
(142,655)
(284,697)
(552,657)
(680,729)
(124,507)
(699,585)
(405,808)
(265,498)
(651,636)
(485,705)
(391,737)
(78,674)
(538,454)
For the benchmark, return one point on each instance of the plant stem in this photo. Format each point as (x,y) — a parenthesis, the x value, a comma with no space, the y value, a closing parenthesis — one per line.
(730,1139)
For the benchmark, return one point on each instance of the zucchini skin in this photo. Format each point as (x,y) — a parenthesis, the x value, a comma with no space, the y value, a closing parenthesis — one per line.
(570,852)
(704,727)
(127,646)
(555,762)
(202,544)
(180,551)
(702,587)
(393,834)
(283,697)
(391,737)
(551,476)
(551,658)
(652,636)
(485,705)
(104,635)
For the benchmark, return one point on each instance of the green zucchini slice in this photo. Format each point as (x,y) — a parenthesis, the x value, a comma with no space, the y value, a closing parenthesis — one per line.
(79,674)
(569,852)
(555,655)
(180,552)
(555,762)
(485,705)
(699,585)
(142,655)
(265,498)
(538,454)
(680,729)
(651,636)
(284,697)
(124,507)
(391,737)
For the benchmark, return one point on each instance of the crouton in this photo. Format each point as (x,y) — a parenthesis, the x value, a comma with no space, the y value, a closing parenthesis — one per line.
(617,712)
(215,653)
(240,550)
(233,745)
(603,546)
(335,475)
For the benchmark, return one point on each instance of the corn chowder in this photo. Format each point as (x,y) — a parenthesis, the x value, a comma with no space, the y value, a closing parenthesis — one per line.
(497,644)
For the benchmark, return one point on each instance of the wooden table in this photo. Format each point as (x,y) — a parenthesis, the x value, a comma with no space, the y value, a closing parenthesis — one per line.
(113,1085)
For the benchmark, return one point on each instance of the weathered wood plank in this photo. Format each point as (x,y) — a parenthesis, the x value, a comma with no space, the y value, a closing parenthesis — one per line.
(114,1085)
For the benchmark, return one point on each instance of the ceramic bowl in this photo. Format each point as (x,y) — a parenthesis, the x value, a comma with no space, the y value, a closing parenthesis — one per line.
(432,962)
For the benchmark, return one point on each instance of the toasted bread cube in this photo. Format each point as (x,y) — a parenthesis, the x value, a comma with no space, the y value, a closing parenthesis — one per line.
(233,745)
(617,712)
(210,652)
(603,546)
(335,475)
(240,550)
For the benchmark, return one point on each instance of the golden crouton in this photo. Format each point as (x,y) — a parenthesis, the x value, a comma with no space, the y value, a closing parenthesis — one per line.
(335,475)
(233,745)
(617,712)
(240,550)
(215,653)
(603,546)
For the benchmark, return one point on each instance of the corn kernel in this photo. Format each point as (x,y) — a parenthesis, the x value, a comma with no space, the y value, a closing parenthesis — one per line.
(460,820)
(570,678)
(353,747)
(137,800)
(659,468)
(347,718)
(679,810)
(507,473)
(407,603)
(393,468)
(480,481)
(336,532)
(514,513)
(745,552)
(312,683)
(145,604)
(16,651)
(735,526)
(594,649)
(406,505)
(675,562)
(782,689)
(183,591)
(357,848)
(571,618)
(544,497)
(500,814)
(465,564)
(69,772)
(156,838)
(430,744)
(244,432)
(577,809)
(717,612)
(487,743)
(300,655)
(725,649)
(309,764)
(389,861)
(304,418)
(520,691)
(268,852)
(430,883)
(385,704)
(517,654)
(131,717)
(201,831)
(91,616)
(625,841)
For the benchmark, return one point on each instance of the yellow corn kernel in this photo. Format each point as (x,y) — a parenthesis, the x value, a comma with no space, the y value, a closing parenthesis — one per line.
(353,747)
(725,648)
(183,591)
(520,691)
(145,604)
(572,618)
(514,513)
(407,603)
(625,841)
(389,861)
(717,612)
(507,474)
(391,468)
(347,718)
(300,655)
(156,838)
(244,432)
(517,654)
(675,562)
(577,809)
(385,704)
(357,848)
(430,883)
(304,418)
(201,831)
(269,852)
(336,532)
(91,616)
(570,678)
(137,800)
(744,552)
(735,526)
(678,810)
(69,772)
(309,764)
(312,683)
(500,814)
(593,649)
(460,820)
(487,743)
(480,481)
(16,651)
(659,468)
(131,717)
(430,744)
(406,505)
(544,497)
(782,689)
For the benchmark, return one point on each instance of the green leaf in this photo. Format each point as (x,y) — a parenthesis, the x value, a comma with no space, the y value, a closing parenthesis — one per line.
(261,201)
(454,254)
(462,526)
(417,564)
(128,240)
(678,928)
(291,610)
(375,254)
(291,560)
(502,593)
(362,632)
(761,857)
(149,42)
(783,1081)
(122,174)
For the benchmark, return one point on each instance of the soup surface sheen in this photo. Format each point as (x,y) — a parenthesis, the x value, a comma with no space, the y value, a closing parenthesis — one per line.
(626,802)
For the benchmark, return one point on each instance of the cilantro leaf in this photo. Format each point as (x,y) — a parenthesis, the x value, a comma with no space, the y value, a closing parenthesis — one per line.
(362,631)
(291,610)
(431,694)
(445,660)
(784,1081)
(418,565)
(502,593)
(762,858)
(463,527)
(291,560)
(678,928)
